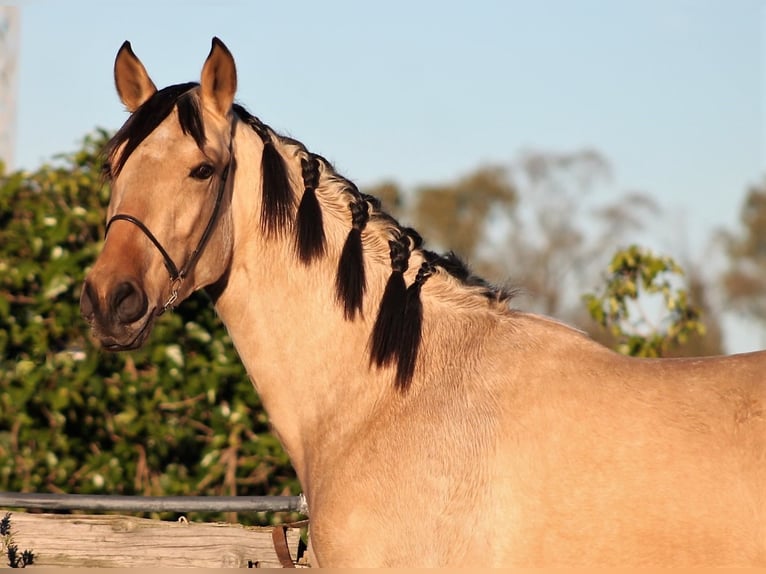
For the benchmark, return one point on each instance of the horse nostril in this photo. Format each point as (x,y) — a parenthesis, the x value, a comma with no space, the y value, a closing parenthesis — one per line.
(87,302)
(128,302)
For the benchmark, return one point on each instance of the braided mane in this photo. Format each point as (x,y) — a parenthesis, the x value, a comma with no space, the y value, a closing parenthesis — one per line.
(396,335)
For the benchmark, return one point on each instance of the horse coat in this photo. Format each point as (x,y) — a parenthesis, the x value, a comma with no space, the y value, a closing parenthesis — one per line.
(428,422)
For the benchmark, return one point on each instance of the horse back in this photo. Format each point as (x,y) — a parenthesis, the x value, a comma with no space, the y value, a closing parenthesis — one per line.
(605,459)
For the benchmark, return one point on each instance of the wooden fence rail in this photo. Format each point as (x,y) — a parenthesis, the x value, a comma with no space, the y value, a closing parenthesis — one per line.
(113,541)
(106,541)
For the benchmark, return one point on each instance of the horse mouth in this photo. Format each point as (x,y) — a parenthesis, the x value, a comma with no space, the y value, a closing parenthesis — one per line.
(131,343)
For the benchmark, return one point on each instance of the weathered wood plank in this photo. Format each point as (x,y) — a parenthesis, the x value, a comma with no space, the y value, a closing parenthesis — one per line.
(113,541)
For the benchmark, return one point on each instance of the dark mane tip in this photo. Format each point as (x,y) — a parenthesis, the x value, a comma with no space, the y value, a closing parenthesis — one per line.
(412,327)
(397,331)
(311,237)
(277,196)
(277,206)
(386,334)
(350,280)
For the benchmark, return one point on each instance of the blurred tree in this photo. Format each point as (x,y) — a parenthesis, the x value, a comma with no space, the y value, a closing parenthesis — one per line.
(745,280)
(562,231)
(535,220)
(455,216)
(390,196)
(530,221)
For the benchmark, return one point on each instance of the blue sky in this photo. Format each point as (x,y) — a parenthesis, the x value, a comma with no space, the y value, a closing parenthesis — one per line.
(670,92)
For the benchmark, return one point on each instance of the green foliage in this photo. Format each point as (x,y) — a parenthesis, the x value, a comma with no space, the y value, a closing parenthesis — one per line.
(9,548)
(179,416)
(635,275)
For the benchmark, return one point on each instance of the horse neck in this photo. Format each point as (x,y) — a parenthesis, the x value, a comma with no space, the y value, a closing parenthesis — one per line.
(310,365)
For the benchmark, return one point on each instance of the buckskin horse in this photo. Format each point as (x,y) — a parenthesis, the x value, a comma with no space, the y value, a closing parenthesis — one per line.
(428,422)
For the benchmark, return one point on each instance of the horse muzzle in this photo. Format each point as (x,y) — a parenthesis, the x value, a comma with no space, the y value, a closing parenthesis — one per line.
(119,314)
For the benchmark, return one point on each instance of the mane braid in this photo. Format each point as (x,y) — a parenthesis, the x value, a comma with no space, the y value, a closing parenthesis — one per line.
(277,204)
(350,280)
(311,237)
(412,327)
(386,333)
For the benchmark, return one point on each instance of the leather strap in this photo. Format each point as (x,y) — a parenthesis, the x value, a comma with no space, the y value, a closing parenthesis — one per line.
(173,270)
(169,264)
(279,538)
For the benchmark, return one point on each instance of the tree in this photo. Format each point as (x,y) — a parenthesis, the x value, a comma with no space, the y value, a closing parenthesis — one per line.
(530,220)
(563,230)
(745,280)
(535,220)
(622,307)
(390,195)
(179,416)
(454,216)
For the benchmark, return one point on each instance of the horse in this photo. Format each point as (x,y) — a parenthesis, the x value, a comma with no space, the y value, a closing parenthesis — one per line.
(428,421)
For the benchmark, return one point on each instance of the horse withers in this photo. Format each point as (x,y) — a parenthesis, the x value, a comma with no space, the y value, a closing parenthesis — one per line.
(428,422)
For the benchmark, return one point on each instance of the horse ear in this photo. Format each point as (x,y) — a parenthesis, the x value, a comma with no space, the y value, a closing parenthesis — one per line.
(219,79)
(134,85)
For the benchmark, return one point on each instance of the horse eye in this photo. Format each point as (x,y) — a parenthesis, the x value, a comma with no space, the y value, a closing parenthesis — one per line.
(202,171)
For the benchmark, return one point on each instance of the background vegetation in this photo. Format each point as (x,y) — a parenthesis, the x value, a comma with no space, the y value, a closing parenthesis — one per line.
(180,416)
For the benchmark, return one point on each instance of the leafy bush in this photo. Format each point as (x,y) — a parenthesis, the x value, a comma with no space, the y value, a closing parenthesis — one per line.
(179,416)
(637,275)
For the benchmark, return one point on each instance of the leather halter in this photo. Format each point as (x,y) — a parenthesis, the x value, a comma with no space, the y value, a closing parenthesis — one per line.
(177,275)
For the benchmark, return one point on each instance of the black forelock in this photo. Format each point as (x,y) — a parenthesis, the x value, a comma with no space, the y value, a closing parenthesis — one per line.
(151,114)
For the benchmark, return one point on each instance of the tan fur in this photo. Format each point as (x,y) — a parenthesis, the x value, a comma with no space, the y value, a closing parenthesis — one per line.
(133,84)
(520,442)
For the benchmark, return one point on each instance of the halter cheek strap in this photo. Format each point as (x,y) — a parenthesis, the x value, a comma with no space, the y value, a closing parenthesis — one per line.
(177,275)
(171,267)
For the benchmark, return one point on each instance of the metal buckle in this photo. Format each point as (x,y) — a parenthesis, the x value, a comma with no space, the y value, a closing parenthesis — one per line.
(175,285)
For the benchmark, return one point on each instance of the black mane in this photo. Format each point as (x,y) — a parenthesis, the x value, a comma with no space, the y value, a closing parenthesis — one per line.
(151,114)
(396,336)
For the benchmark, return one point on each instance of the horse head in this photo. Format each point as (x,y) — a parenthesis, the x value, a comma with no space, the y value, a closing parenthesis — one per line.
(168,220)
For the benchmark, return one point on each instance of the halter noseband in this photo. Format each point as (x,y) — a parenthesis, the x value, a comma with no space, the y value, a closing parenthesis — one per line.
(177,275)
